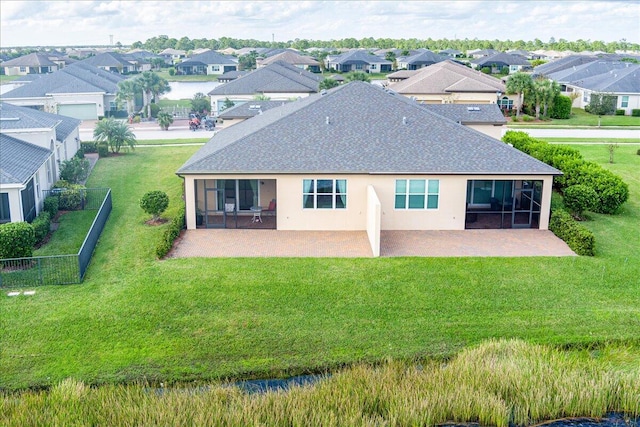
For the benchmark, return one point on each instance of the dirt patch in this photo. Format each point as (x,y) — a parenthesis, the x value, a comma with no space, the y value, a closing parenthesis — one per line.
(154,222)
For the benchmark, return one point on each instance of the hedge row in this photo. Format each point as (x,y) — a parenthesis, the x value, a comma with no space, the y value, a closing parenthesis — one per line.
(612,191)
(17,240)
(578,237)
(41,226)
(170,235)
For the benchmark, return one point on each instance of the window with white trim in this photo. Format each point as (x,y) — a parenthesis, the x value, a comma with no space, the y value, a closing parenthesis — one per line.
(625,101)
(324,194)
(417,193)
(215,68)
(5,214)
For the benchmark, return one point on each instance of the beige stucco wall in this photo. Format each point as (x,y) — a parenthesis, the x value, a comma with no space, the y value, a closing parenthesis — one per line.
(491,130)
(450,214)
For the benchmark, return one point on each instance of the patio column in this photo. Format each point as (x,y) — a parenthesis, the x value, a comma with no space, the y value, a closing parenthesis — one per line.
(190,202)
(545,206)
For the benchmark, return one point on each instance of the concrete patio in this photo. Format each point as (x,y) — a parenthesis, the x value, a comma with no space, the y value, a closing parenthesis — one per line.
(355,244)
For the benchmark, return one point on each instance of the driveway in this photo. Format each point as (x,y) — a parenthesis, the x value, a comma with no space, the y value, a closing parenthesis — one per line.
(355,244)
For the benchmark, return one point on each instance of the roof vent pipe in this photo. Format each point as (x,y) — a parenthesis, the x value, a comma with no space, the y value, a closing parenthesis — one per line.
(404,120)
(327,120)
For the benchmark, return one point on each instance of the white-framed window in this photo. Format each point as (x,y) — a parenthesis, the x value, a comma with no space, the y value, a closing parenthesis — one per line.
(373,66)
(215,68)
(586,96)
(5,213)
(23,69)
(358,66)
(625,101)
(324,194)
(417,193)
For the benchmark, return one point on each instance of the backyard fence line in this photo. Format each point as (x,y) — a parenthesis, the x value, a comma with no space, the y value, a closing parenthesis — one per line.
(60,269)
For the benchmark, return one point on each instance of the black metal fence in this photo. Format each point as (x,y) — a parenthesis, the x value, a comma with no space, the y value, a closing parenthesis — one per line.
(60,269)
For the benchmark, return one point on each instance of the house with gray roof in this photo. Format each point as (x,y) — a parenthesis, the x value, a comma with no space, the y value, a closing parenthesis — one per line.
(420,60)
(119,63)
(277,81)
(501,60)
(33,145)
(485,118)
(244,111)
(359,60)
(293,58)
(79,90)
(358,157)
(451,53)
(207,63)
(33,63)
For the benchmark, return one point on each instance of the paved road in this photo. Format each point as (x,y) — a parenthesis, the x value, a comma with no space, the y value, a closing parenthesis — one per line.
(174,132)
(580,133)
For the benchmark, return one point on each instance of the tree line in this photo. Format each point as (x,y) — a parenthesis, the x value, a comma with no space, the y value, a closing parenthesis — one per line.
(159,43)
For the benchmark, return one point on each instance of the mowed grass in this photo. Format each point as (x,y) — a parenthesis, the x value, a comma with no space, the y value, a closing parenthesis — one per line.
(139,319)
(579,117)
(68,238)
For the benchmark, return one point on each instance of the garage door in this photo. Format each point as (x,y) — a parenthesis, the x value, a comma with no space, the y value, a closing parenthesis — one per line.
(79,111)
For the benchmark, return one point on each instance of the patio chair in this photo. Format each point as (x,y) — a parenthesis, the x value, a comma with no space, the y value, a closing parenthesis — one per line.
(271,210)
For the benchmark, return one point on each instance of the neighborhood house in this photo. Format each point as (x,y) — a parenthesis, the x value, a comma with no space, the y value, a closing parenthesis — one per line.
(358,157)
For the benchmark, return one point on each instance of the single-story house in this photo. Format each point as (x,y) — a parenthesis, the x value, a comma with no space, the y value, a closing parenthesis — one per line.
(623,83)
(326,163)
(208,63)
(449,82)
(359,60)
(485,118)
(451,53)
(173,56)
(293,58)
(564,63)
(277,81)
(246,110)
(231,75)
(501,60)
(79,90)
(33,63)
(400,75)
(33,144)
(420,60)
(479,53)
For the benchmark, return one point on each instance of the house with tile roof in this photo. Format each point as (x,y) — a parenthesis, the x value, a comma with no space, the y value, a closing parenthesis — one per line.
(79,90)
(358,157)
(277,81)
(358,60)
(33,63)
(500,61)
(208,63)
(293,58)
(449,82)
(33,144)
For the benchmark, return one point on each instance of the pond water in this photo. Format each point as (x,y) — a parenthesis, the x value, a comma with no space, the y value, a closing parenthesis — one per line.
(186,90)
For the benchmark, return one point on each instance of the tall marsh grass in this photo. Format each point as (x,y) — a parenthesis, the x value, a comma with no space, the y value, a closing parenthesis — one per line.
(497,383)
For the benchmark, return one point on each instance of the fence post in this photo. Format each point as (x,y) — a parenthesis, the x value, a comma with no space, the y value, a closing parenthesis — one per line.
(40,278)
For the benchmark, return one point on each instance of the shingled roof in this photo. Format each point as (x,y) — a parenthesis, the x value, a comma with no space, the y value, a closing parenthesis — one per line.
(207,58)
(75,78)
(19,160)
(625,80)
(357,128)
(23,118)
(34,59)
(359,57)
(447,77)
(290,58)
(468,114)
(276,77)
(249,109)
(501,58)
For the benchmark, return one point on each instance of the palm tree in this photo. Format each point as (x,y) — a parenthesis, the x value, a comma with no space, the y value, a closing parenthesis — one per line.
(164,120)
(358,75)
(115,133)
(152,86)
(519,83)
(328,83)
(127,91)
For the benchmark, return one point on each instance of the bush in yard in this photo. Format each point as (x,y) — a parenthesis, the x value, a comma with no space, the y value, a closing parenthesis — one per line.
(51,206)
(71,196)
(16,240)
(165,120)
(103,150)
(576,236)
(74,170)
(89,146)
(41,226)
(170,235)
(154,203)
(619,112)
(635,112)
(579,198)
(561,108)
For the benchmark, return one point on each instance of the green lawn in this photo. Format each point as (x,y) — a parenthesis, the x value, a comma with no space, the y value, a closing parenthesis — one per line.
(68,238)
(7,79)
(581,118)
(171,141)
(135,318)
(590,140)
(169,103)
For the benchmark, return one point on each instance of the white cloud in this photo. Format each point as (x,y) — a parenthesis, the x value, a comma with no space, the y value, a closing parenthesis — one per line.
(90,22)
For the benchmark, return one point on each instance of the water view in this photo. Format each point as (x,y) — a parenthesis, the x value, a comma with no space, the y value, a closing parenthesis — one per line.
(186,90)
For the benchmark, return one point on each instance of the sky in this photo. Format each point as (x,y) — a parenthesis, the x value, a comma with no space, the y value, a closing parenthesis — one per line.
(67,23)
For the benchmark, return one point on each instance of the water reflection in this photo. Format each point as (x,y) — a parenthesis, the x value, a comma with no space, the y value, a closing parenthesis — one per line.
(186,90)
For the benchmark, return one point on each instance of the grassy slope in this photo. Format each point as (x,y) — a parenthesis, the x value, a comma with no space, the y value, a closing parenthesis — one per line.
(581,118)
(181,319)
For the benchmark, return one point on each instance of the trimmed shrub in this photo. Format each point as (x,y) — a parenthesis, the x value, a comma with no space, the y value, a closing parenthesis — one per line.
(155,109)
(485,70)
(71,196)
(89,146)
(172,71)
(527,118)
(74,170)
(638,152)
(619,112)
(154,203)
(51,206)
(576,236)
(561,108)
(170,235)
(16,240)
(635,112)
(103,150)
(41,226)
(579,198)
